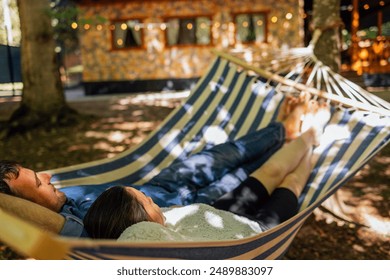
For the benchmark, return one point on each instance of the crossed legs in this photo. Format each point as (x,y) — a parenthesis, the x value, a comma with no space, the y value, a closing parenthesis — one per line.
(270,194)
(290,166)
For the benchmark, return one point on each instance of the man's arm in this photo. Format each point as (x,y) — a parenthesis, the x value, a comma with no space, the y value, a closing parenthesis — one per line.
(32,212)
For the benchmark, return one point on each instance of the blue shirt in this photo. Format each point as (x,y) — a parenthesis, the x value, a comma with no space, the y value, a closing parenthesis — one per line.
(79,199)
(74,226)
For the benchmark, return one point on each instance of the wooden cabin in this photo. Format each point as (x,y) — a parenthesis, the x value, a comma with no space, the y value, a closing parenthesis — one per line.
(152,45)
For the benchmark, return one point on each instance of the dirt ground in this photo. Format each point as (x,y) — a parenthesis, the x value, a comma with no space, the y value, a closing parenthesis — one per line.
(358,230)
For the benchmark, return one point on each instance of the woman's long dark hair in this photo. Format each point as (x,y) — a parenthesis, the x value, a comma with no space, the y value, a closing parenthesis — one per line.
(112,212)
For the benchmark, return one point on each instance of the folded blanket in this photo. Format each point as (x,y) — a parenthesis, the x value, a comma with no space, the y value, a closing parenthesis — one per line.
(194,222)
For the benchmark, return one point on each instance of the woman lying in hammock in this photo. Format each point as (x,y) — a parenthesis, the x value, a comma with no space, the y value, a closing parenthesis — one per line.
(268,197)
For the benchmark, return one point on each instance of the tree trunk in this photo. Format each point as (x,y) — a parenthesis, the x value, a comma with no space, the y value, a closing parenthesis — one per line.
(326,17)
(43,101)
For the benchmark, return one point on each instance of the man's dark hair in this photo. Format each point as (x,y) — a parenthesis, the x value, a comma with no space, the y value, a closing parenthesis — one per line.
(112,212)
(8,170)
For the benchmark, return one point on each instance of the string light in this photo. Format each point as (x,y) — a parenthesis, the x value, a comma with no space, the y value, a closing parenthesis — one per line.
(366,6)
(163,26)
(381,3)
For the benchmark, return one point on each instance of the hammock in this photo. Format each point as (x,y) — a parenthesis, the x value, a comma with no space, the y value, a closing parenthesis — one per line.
(227,102)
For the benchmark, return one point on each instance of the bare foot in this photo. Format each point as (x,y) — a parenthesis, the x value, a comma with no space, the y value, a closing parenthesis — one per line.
(316,118)
(288,105)
(292,122)
(308,120)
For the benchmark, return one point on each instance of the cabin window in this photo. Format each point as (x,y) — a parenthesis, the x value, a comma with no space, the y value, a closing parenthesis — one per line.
(251,27)
(127,34)
(188,31)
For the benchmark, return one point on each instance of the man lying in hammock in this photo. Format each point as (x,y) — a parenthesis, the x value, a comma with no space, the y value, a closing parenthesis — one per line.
(196,179)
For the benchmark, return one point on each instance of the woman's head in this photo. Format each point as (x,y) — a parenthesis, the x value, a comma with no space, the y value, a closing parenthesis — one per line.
(118,208)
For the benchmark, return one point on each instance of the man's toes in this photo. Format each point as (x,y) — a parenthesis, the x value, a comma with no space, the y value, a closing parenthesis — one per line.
(304,97)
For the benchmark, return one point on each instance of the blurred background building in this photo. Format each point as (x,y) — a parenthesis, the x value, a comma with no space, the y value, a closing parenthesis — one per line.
(117,46)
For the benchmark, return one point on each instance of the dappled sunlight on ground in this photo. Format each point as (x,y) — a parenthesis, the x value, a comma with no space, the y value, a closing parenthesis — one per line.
(166,99)
(135,126)
(379,225)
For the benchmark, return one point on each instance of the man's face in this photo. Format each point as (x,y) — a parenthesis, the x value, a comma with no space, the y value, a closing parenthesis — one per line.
(36,187)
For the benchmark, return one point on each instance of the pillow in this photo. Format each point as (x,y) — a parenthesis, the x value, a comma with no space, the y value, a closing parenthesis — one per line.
(151,232)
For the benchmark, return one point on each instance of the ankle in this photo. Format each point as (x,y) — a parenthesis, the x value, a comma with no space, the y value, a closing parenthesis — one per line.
(309,137)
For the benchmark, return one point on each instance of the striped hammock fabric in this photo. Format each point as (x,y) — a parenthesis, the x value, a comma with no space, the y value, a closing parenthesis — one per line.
(226,103)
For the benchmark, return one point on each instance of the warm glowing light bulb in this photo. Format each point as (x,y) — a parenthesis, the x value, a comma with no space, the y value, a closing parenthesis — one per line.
(189,26)
(289,16)
(74,25)
(274,19)
(123,26)
(363,54)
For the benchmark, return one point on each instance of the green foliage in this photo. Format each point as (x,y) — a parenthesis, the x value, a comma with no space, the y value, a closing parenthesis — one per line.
(64,14)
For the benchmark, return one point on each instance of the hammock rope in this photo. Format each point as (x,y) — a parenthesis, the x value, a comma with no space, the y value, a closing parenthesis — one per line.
(344,93)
